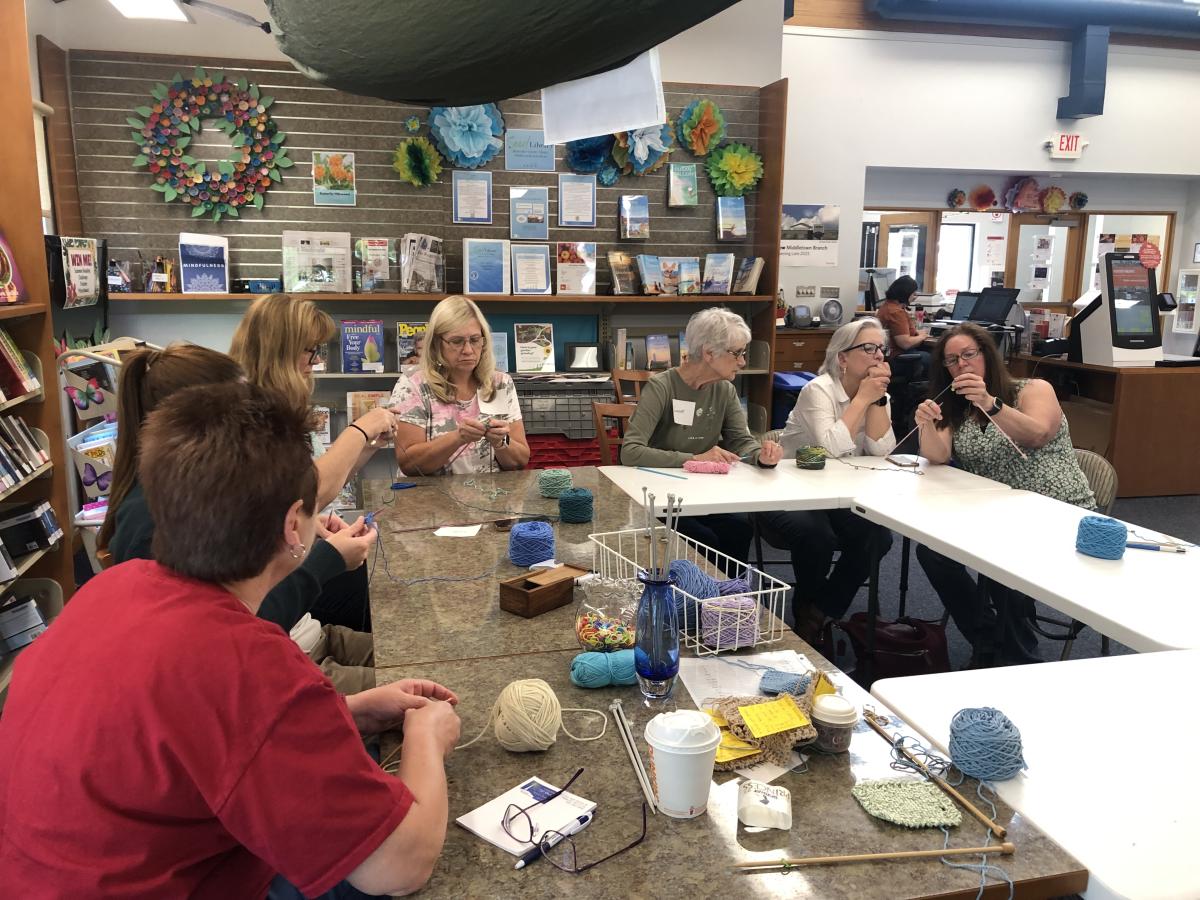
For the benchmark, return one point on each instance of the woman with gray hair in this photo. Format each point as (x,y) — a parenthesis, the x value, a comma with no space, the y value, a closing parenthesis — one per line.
(693,412)
(844,410)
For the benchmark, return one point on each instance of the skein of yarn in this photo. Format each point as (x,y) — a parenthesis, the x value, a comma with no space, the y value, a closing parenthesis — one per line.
(689,578)
(530,542)
(575,505)
(985,744)
(707,467)
(527,717)
(597,670)
(552,482)
(1101,537)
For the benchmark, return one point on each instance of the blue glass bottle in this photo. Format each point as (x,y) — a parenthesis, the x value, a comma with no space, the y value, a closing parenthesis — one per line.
(656,650)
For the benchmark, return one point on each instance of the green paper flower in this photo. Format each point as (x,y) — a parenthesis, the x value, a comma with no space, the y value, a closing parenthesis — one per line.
(701,127)
(412,124)
(417,161)
(734,169)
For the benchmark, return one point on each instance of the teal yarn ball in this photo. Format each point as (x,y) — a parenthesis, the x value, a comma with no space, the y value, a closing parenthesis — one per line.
(575,505)
(552,482)
(597,670)
(1101,537)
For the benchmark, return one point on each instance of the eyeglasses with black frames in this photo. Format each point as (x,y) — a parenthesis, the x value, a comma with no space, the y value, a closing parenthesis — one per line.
(871,349)
(966,356)
(457,343)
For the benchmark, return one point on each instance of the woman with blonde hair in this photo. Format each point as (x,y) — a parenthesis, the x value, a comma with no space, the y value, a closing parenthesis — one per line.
(276,343)
(457,414)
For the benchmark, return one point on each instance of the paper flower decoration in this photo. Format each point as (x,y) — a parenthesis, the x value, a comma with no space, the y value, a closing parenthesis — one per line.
(1053,199)
(609,174)
(1078,200)
(956,198)
(164,130)
(982,198)
(412,124)
(417,161)
(700,127)
(1024,196)
(588,156)
(644,150)
(734,169)
(468,136)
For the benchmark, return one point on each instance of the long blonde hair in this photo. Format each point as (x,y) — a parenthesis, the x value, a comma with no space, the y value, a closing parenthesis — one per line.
(451,314)
(275,330)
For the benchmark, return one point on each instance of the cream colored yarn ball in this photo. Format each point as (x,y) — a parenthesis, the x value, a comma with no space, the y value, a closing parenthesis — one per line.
(528,716)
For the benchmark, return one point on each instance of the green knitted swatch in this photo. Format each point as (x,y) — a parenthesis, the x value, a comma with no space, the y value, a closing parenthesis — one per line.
(913,804)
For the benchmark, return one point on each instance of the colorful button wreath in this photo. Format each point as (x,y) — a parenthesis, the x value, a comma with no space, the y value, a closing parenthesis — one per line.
(163,132)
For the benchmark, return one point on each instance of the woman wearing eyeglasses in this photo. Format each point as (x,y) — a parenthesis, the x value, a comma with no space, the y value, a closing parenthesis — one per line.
(457,414)
(693,412)
(844,410)
(978,421)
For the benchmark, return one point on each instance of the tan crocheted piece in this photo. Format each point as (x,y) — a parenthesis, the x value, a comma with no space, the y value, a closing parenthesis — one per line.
(776,748)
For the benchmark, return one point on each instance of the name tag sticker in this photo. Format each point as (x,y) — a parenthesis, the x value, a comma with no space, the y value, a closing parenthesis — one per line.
(684,411)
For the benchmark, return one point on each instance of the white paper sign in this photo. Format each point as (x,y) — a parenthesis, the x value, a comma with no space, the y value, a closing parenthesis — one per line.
(684,412)
(808,253)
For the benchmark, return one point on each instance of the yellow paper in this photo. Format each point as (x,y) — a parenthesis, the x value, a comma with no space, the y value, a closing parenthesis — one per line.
(718,719)
(724,755)
(729,742)
(764,719)
(824,686)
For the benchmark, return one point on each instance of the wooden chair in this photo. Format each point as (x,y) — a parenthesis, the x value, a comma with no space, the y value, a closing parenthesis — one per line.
(634,378)
(601,413)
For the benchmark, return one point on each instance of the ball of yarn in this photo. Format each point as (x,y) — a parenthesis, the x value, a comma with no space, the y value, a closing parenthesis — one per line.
(597,670)
(1101,537)
(734,586)
(985,744)
(552,482)
(689,578)
(530,542)
(810,458)
(707,466)
(575,505)
(527,716)
(728,623)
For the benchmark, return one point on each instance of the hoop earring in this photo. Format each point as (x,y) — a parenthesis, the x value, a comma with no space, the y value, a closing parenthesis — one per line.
(296,555)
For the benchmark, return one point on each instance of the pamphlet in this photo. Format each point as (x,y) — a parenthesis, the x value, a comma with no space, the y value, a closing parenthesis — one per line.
(500,350)
(531,269)
(472,197)
(576,201)
(485,266)
(535,347)
(376,257)
(577,268)
(81,271)
(204,263)
(557,814)
(316,261)
(422,264)
(528,213)
(321,416)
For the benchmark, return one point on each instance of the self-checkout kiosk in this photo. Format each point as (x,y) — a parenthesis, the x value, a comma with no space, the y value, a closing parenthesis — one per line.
(1120,326)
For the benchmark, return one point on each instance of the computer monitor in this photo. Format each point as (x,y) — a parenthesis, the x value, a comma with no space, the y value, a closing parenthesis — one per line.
(964,305)
(994,305)
(877,286)
(1134,308)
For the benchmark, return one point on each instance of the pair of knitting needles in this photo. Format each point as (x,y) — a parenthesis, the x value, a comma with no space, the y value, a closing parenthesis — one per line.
(635,758)
(984,411)
(674,508)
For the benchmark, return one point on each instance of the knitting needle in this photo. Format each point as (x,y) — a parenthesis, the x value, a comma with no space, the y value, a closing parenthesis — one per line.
(1005,433)
(911,433)
(646,512)
(634,757)
(653,544)
(664,474)
(966,804)
(1006,849)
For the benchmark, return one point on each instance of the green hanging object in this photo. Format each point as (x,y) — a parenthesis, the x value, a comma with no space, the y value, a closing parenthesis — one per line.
(417,161)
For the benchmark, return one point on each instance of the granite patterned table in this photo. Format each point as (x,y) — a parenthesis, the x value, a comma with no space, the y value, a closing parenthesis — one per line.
(455,633)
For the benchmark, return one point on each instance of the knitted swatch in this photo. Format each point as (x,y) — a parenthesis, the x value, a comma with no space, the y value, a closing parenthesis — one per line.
(913,804)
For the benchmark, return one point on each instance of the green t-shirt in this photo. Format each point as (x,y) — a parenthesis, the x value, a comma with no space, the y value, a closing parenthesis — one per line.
(655,436)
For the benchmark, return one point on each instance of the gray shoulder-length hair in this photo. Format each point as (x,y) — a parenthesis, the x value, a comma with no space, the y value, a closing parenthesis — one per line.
(715,329)
(844,337)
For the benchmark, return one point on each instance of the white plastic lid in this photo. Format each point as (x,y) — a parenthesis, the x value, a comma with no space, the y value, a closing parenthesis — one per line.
(834,710)
(685,731)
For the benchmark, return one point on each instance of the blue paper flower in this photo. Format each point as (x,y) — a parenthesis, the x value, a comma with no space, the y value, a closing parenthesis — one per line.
(643,150)
(608,174)
(468,136)
(587,156)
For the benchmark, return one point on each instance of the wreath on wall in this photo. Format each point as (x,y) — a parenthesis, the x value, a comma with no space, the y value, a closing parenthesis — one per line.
(164,130)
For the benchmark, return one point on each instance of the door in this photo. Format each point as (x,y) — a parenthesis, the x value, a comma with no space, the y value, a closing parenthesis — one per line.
(908,244)
(1044,253)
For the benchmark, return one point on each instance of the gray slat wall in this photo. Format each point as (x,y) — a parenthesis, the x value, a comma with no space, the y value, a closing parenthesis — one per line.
(118,204)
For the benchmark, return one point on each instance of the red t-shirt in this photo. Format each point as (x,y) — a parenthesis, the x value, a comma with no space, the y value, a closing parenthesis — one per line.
(895,319)
(161,741)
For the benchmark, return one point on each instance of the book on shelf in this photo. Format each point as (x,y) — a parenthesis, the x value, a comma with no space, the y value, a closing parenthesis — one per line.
(651,274)
(203,263)
(359,403)
(94,451)
(29,439)
(669,266)
(731,218)
(622,344)
(747,276)
(500,350)
(486,267)
(91,386)
(12,287)
(658,352)
(321,423)
(576,271)
(682,189)
(624,277)
(21,619)
(422,264)
(362,345)
(16,375)
(410,342)
(26,527)
(321,363)
(718,274)
(635,217)
(683,347)
(686,274)
(316,261)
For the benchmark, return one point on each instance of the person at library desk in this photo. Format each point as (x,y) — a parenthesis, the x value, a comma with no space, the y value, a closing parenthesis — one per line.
(160,740)
(276,343)
(903,335)
(845,411)
(148,378)
(457,414)
(978,421)
(693,412)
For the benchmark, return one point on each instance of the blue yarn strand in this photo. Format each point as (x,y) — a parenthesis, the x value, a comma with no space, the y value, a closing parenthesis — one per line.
(575,505)
(1101,537)
(530,542)
(597,670)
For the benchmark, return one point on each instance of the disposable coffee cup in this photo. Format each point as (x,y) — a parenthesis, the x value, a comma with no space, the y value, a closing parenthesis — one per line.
(683,747)
(834,719)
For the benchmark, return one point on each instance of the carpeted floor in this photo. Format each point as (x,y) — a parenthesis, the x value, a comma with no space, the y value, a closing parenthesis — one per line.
(1176,516)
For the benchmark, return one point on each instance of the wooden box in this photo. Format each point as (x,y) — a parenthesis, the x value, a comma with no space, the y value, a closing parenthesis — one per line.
(531,595)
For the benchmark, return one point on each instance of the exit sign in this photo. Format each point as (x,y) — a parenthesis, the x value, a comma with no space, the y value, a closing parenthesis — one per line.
(1066,146)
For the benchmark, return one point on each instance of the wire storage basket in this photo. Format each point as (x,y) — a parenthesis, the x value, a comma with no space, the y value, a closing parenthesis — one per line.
(722,603)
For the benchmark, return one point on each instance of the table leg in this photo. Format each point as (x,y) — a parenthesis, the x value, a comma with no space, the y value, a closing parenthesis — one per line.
(867,666)
(905,546)
(986,597)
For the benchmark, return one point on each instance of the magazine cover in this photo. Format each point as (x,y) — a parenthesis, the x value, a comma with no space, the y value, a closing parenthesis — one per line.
(410,342)
(362,345)
(321,427)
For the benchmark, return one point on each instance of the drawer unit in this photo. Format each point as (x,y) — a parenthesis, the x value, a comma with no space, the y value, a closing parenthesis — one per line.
(800,350)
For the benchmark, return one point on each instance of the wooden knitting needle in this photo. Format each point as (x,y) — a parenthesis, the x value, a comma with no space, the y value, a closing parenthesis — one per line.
(1006,848)
(966,804)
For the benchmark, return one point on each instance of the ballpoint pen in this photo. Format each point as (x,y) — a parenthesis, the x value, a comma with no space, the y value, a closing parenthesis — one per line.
(575,827)
(1161,548)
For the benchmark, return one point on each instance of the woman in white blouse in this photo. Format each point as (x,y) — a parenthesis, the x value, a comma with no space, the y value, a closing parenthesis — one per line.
(845,411)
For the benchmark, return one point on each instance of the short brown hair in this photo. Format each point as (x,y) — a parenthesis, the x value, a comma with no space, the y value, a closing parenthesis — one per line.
(955,409)
(221,465)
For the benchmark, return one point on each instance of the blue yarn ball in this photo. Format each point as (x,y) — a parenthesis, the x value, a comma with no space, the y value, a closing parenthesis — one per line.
(733,586)
(690,578)
(1101,537)
(575,505)
(985,744)
(597,670)
(530,542)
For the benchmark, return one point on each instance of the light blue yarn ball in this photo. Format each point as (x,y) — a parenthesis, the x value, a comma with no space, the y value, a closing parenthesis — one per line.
(597,670)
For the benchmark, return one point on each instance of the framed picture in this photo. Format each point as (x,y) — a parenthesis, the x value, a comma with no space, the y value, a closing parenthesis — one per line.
(1196,253)
(584,358)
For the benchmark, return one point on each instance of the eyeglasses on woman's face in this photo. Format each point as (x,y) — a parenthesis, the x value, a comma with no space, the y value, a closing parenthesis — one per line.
(314,354)
(954,359)
(739,355)
(869,348)
(457,342)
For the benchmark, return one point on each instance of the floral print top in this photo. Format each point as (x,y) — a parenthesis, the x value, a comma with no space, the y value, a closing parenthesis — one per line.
(415,404)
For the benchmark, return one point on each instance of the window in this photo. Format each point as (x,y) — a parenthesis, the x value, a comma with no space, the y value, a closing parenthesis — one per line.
(955,262)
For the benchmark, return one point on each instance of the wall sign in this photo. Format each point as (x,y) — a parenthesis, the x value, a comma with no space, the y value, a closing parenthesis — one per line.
(1064,145)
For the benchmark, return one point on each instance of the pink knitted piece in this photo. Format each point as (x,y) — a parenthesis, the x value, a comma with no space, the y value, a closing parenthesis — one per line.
(707,467)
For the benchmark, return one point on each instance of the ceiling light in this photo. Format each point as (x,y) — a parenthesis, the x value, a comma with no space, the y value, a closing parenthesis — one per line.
(150,9)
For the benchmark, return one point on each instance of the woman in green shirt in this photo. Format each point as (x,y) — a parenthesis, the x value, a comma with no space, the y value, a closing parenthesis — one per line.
(693,412)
